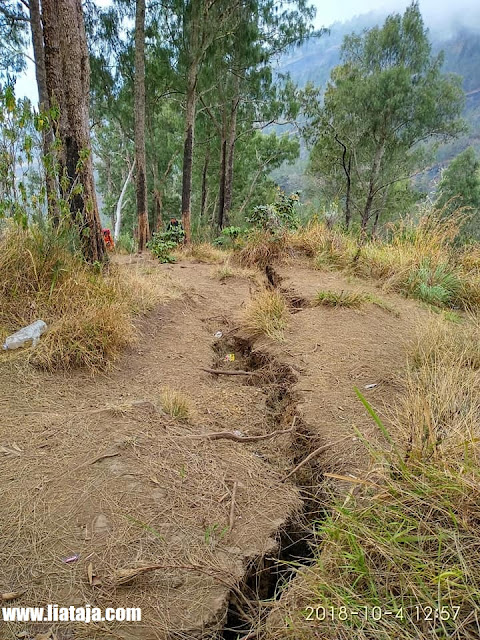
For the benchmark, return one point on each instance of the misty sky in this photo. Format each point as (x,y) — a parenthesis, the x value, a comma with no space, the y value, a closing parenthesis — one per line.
(329,11)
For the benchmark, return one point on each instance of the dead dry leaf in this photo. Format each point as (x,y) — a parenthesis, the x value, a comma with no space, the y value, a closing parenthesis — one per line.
(90,573)
(7,451)
(11,595)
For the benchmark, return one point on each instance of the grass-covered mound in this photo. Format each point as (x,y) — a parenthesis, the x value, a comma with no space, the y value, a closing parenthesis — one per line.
(398,556)
(417,259)
(88,308)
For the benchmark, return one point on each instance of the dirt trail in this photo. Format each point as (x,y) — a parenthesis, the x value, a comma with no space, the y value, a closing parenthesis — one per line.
(93,467)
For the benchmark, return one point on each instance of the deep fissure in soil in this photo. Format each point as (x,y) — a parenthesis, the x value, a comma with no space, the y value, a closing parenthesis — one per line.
(266,576)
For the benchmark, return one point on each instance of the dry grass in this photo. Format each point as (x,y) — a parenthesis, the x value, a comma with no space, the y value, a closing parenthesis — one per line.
(88,312)
(228,270)
(266,314)
(175,403)
(405,539)
(350,299)
(419,260)
(203,252)
(440,412)
(261,248)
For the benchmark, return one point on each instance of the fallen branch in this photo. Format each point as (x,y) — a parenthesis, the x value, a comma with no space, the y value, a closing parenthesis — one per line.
(227,372)
(230,435)
(231,521)
(112,454)
(317,452)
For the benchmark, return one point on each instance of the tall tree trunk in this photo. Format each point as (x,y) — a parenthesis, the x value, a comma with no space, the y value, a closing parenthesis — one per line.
(348,211)
(206,162)
(188,150)
(68,84)
(44,105)
(140,155)
(232,134)
(118,217)
(347,169)
(223,174)
(158,193)
(379,211)
(371,186)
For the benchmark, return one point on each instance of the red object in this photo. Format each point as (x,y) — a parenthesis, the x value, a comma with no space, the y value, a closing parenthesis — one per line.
(107,236)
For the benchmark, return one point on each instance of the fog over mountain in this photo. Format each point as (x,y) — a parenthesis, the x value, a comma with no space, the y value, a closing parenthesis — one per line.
(454,29)
(439,14)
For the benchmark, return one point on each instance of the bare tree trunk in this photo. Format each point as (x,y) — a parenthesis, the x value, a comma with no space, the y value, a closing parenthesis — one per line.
(68,84)
(232,134)
(204,183)
(223,174)
(379,211)
(158,193)
(348,211)
(44,105)
(118,217)
(371,186)
(348,175)
(140,155)
(188,151)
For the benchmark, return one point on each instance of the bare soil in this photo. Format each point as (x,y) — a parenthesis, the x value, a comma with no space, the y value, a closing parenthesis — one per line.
(94,467)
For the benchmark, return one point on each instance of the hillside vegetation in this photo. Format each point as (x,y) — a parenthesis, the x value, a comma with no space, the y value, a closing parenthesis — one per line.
(254,411)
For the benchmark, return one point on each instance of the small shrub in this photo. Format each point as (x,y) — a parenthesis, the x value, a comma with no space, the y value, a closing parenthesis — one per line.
(266,314)
(162,248)
(175,404)
(163,243)
(437,285)
(280,215)
(125,243)
(228,237)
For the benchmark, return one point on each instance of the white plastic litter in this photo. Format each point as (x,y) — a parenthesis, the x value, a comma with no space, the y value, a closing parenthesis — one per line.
(218,334)
(371,386)
(32,332)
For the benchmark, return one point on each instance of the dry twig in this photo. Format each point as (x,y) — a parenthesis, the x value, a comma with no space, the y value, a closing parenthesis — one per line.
(314,453)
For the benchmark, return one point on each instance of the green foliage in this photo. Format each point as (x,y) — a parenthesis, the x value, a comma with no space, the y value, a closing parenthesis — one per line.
(460,188)
(125,243)
(17,148)
(161,244)
(14,32)
(280,215)
(161,247)
(435,284)
(174,233)
(387,97)
(228,237)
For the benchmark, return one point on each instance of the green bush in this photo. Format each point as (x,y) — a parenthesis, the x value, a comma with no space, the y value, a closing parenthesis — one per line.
(227,237)
(436,285)
(125,243)
(280,215)
(161,247)
(161,244)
